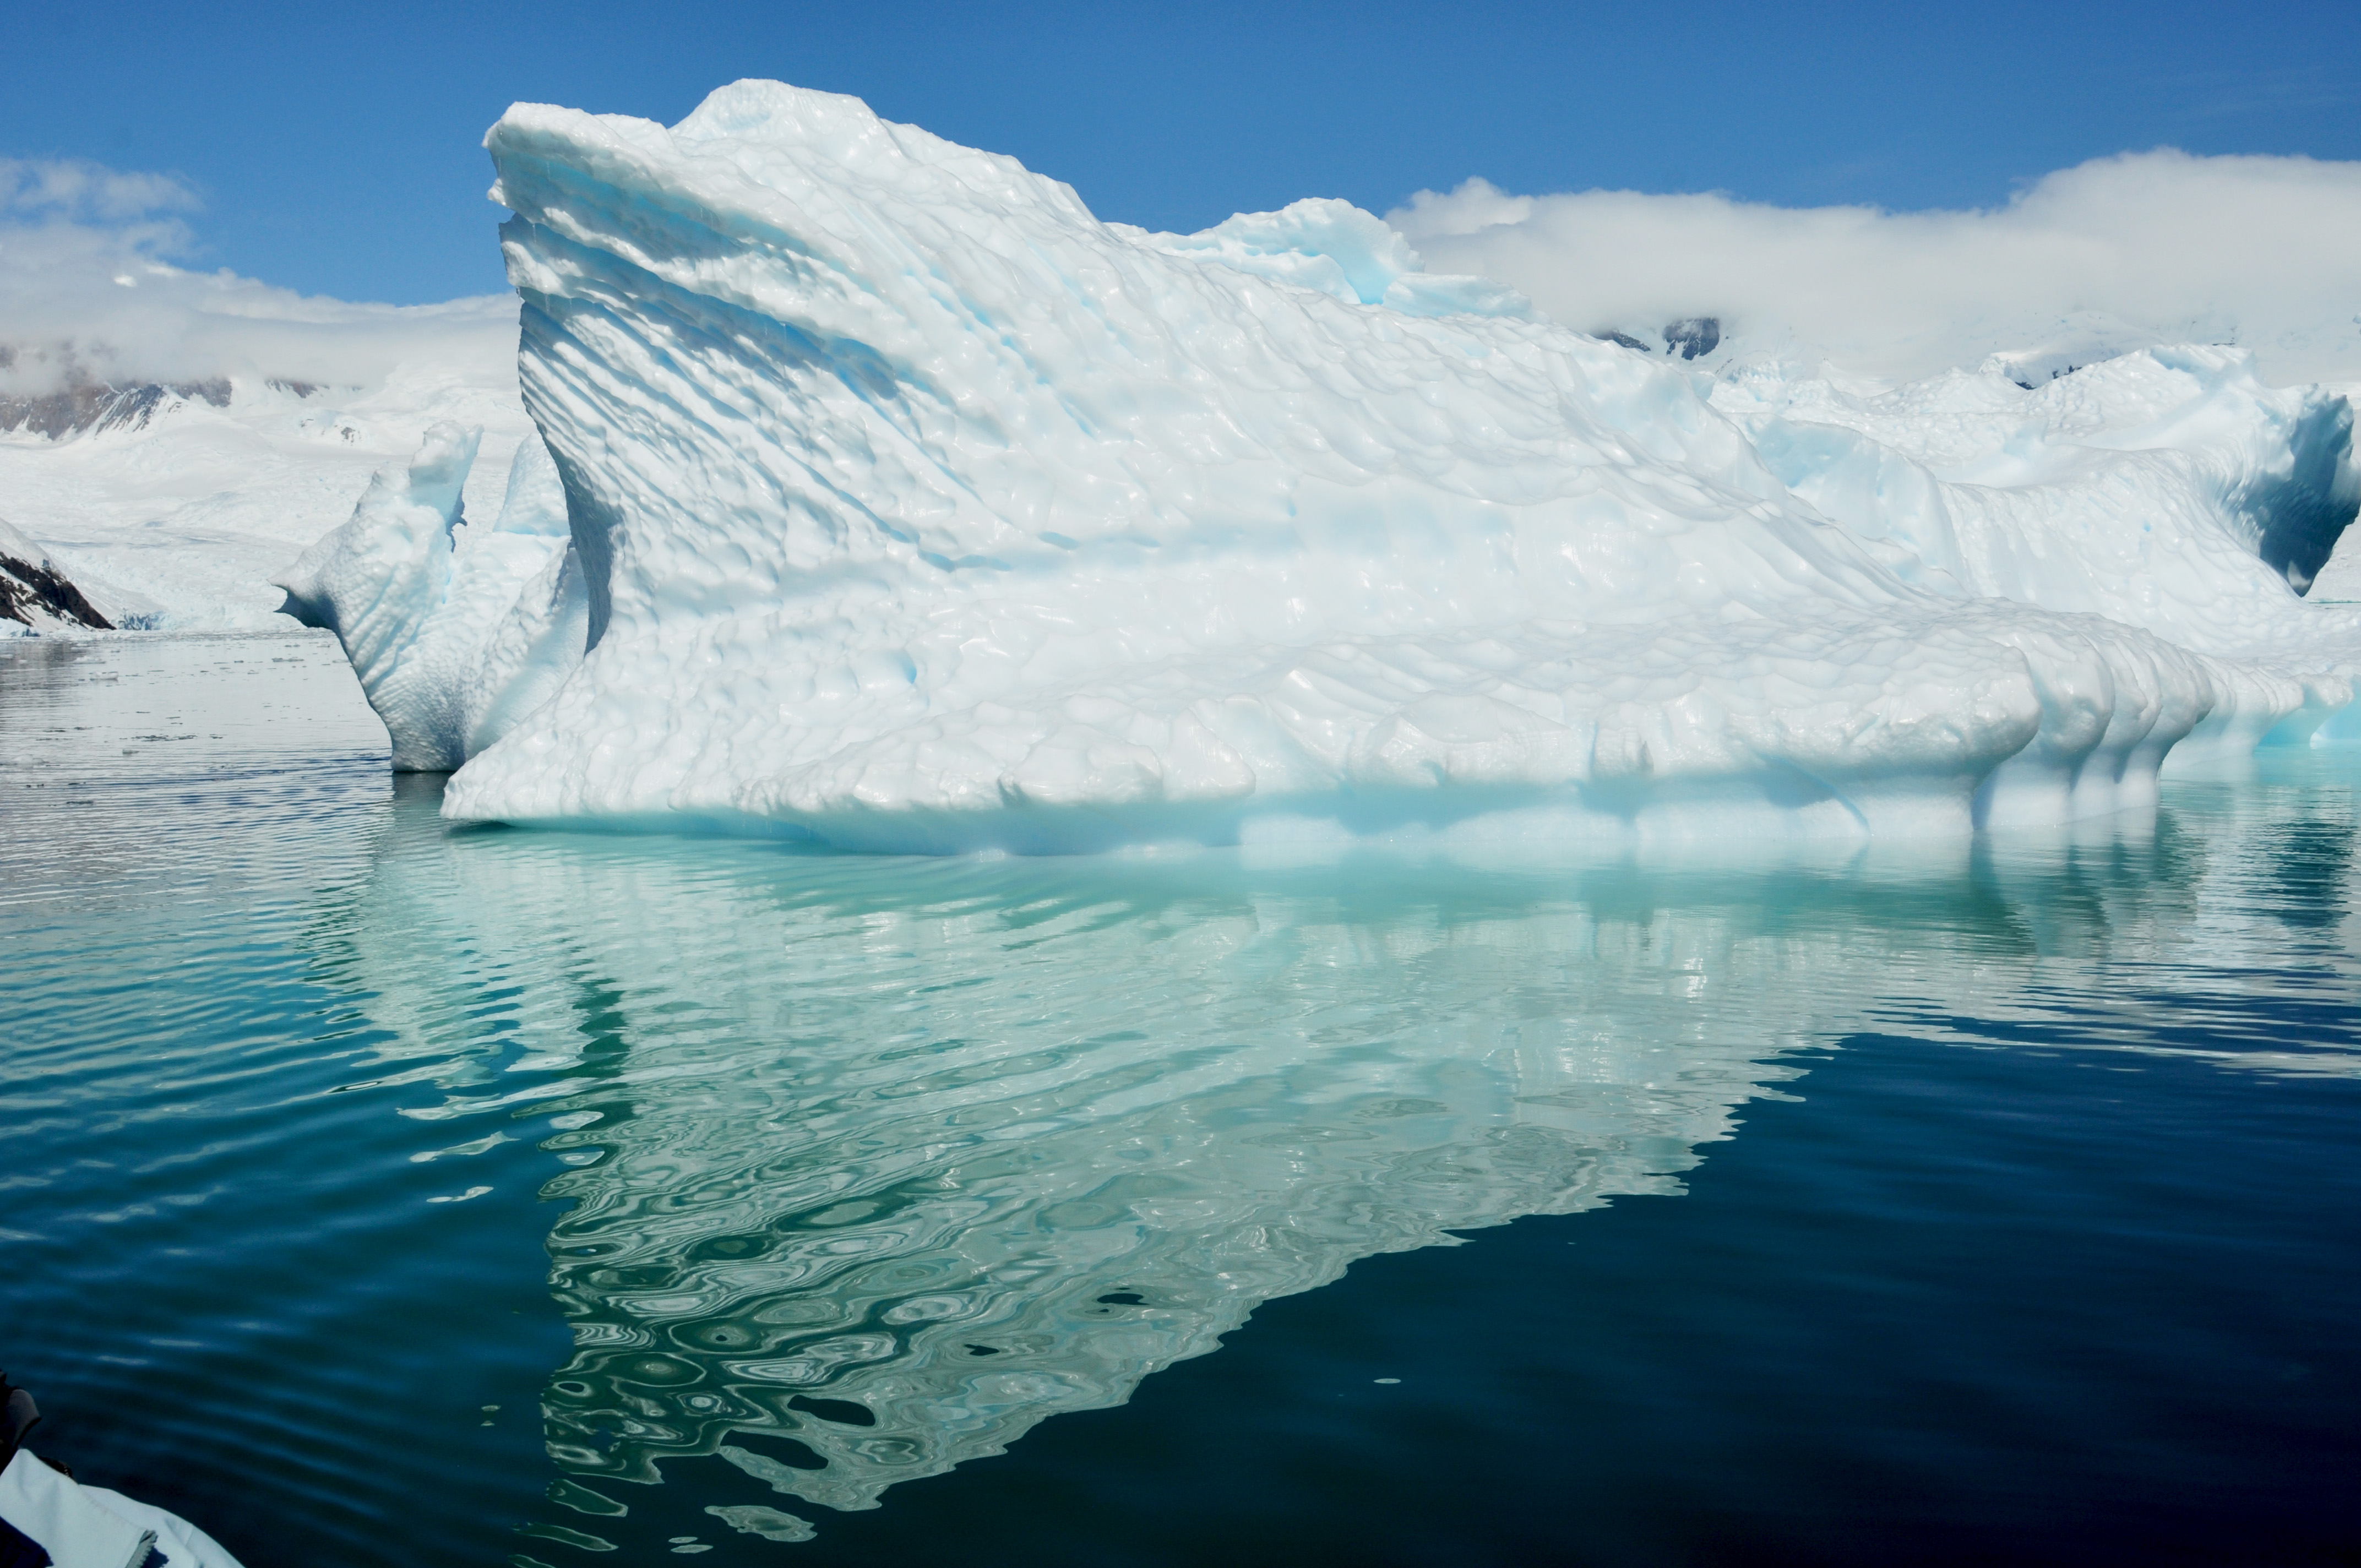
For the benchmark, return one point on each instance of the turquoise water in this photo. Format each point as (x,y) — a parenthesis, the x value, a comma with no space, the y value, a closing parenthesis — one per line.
(381,1193)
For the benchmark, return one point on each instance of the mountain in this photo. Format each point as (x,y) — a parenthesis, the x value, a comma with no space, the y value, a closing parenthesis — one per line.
(171,502)
(35,594)
(99,405)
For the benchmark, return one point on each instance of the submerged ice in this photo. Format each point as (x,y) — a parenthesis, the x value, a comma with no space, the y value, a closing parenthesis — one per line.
(910,507)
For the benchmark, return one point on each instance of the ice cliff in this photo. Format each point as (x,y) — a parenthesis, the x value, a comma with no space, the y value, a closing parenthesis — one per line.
(912,508)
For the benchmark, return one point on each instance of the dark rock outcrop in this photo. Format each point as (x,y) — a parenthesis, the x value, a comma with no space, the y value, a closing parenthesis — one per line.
(1693,335)
(100,405)
(33,592)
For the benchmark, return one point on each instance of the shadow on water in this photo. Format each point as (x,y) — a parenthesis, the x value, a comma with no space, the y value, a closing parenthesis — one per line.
(864,1169)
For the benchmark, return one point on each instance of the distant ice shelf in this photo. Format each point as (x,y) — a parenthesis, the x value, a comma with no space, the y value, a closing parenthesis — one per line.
(909,508)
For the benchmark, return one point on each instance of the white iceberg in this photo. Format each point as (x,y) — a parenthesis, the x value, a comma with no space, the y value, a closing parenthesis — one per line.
(917,510)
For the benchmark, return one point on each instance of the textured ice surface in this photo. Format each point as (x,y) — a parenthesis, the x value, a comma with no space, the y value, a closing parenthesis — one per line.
(2169,490)
(456,630)
(914,508)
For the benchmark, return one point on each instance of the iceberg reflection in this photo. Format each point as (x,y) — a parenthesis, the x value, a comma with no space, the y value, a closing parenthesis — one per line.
(876,1164)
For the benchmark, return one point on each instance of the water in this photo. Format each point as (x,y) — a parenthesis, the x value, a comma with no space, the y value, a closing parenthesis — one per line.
(381,1193)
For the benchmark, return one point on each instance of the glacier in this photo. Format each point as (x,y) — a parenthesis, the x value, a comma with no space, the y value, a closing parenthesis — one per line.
(176,520)
(910,508)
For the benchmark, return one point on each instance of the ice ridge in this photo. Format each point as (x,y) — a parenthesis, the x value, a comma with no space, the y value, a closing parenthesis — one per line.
(914,509)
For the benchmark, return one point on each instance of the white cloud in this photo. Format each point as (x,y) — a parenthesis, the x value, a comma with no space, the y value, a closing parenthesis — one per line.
(2111,254)
(92,286)
(79,191)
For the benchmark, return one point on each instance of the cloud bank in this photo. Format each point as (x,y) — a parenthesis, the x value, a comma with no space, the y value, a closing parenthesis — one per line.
(2113,255)
(92,288)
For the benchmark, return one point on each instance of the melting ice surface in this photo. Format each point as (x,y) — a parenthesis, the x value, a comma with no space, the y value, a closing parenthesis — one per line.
(912,508)
(853,1171)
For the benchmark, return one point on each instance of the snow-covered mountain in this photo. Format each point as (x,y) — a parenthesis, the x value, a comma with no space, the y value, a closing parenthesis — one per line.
(85,406)
(173,504)
(37,595)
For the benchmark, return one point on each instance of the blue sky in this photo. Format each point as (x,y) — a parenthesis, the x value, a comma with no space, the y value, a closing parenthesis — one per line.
(335,148)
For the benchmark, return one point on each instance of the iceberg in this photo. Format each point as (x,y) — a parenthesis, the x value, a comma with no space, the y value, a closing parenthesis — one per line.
(913,508)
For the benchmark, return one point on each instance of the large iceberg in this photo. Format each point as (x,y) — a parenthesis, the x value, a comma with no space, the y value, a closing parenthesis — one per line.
(916,508)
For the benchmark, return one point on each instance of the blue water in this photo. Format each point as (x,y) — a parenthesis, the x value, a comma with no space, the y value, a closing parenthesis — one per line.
(377,1192)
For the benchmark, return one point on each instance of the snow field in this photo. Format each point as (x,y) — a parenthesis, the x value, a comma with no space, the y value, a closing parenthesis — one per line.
(182,523)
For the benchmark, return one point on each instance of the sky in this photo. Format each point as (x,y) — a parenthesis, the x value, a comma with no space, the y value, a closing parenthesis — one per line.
(335,150)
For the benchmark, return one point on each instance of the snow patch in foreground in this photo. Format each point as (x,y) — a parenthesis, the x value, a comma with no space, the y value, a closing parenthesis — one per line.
(914,509)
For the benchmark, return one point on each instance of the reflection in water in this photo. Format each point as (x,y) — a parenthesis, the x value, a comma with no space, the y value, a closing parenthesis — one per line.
(894,1160)
(133,765)
(868,1166)
(876,1164)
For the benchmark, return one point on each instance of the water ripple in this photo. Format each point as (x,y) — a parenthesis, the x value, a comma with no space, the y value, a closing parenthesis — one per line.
(857,1170)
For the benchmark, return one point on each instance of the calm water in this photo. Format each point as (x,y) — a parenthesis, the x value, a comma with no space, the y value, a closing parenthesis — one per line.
(377,1193)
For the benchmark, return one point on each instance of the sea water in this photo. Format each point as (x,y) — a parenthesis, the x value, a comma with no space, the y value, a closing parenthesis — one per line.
(381,1191)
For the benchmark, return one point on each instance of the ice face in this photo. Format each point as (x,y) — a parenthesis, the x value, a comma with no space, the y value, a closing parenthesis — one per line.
(456,632)
(914,509)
